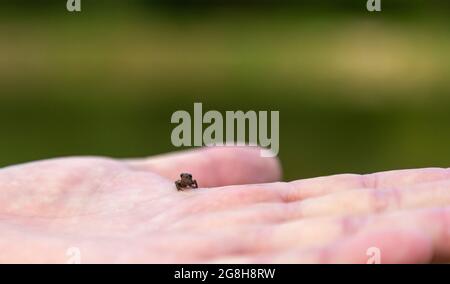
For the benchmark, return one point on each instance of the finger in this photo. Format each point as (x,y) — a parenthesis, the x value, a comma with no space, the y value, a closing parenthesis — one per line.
(382,246)
(215,166)
(307,188)
(385,246)
(433,224)
(351,202)
(316,187)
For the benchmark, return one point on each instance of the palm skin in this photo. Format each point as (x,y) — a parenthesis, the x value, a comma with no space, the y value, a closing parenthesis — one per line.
(129,211)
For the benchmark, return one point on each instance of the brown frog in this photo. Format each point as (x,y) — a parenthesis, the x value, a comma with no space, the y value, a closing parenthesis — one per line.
(185,182)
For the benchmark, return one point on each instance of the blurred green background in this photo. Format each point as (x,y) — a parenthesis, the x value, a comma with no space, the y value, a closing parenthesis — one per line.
(357,91)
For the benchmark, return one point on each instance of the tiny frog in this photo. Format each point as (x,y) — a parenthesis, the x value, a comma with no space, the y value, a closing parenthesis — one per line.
(185,182)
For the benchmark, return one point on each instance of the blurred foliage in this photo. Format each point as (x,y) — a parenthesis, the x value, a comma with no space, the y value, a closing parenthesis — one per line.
(357,92)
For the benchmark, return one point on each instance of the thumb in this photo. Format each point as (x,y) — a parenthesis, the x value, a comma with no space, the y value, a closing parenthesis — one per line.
(214,166)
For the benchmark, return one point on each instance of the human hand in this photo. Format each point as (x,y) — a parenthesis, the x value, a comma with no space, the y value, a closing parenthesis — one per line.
(130,211)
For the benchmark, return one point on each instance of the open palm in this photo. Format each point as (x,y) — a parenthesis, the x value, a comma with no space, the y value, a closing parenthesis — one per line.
(129,211)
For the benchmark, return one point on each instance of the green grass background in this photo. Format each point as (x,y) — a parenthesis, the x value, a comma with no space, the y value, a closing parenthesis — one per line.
(357,92)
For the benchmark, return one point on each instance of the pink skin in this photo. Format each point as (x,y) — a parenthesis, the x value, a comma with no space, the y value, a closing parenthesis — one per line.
(129,211)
